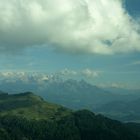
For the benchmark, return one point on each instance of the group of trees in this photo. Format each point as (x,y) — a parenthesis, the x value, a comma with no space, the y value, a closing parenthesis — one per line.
(81,125)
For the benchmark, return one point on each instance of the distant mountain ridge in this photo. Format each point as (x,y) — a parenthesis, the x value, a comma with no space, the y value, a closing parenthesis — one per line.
(72,93)
(80,94)
(123,111)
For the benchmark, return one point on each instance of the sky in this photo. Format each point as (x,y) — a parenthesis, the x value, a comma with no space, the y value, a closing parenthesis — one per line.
(98,41)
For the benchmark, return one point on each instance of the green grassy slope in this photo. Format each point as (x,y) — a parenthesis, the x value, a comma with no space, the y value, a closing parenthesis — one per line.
(30,106)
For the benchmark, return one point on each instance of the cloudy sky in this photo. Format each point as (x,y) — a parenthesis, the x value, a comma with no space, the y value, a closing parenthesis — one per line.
(98,40)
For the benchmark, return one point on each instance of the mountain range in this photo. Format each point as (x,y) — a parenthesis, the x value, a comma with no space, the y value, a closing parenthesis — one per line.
(124,111)
(78,95)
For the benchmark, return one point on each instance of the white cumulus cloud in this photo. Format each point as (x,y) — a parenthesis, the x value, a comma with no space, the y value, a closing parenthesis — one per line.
(89,73)
(76,26)
(84,73)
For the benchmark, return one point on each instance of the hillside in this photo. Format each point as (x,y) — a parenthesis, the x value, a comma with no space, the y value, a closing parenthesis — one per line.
(28,117)
(29,106)
(123,111)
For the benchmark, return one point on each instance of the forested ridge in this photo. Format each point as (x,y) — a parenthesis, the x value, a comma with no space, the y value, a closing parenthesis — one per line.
(62,123)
